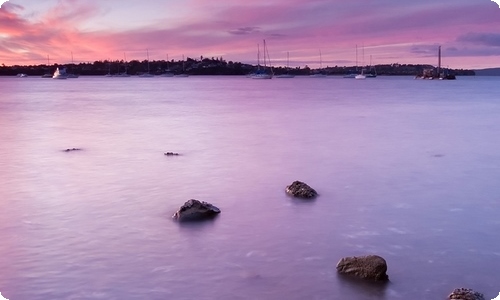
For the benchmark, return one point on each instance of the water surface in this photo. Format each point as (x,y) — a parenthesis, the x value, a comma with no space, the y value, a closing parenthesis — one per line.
(406,169)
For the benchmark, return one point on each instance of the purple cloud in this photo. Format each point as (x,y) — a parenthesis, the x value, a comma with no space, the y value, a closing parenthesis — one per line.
(477,38)
(245,30)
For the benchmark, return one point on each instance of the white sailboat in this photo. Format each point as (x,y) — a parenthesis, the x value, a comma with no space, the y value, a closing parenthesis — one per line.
(353,75)
(362,74)
(263,73)
(60,74)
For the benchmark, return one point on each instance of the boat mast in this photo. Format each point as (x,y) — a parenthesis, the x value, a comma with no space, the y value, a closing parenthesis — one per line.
(258,56)
(363,54)
(320,60)
(264,54)
(356,58)
(439,62)
(126,66)
(147,54)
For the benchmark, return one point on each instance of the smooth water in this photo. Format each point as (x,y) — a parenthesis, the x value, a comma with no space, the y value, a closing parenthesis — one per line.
(406,169)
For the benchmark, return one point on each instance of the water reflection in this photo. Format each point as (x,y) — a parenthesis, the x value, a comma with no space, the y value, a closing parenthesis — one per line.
(363,289)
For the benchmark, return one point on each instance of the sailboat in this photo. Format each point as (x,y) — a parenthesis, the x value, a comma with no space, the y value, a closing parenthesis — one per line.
(183,74)
(362,75)
(287,74)
(372,73)
(47,75)
(60,74)
(109,70)
(147,75)
(353,75)
(319,74)
(263,73)
(124,74)
(71,75)
(167,73)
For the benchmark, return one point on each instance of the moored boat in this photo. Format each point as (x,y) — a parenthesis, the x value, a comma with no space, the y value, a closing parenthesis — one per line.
(436,73)
(60,74)
(265,72)
(287,74)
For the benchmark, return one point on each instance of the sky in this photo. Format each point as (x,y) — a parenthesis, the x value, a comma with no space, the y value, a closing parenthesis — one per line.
(313,32)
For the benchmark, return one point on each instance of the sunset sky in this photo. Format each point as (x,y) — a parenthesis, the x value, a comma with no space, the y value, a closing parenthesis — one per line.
(385,31)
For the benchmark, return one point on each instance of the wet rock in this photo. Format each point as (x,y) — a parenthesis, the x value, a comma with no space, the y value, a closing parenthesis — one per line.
(465,294)
(371,267)
(301,190)
(195,210)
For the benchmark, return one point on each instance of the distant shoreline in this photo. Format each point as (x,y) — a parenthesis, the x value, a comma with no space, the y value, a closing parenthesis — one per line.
(214,66)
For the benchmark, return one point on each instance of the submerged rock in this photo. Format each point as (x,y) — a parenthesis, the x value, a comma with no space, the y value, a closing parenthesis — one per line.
(301,190)
(465,294)
(195,210)
(72,149)
(171,153)
(371,267)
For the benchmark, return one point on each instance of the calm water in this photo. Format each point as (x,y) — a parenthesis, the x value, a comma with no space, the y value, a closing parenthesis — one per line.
(406,169)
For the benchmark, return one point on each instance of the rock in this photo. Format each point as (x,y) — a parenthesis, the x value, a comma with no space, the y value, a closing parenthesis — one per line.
(171,153)
(194,210)
(465,294)
(371,267)
(301,190)
(71,149)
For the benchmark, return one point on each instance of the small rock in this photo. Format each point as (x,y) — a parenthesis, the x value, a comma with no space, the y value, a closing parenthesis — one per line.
(72,149)
(194,210)
(371,267)
(171,153)
(465,294)
(301,190)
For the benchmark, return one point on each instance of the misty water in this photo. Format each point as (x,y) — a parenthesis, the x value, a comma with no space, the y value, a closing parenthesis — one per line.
(405,169)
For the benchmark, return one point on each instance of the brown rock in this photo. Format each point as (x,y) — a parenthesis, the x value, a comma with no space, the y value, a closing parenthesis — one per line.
(371,267)
(301,190)
(194,210)
(465,294)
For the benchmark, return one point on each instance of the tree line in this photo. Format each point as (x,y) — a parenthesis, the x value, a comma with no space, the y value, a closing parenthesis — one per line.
(207,66)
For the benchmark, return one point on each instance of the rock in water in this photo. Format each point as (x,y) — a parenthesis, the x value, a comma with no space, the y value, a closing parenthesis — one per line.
(194,210)
(170,153)
(301,190)
(465,294)
(368,267)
